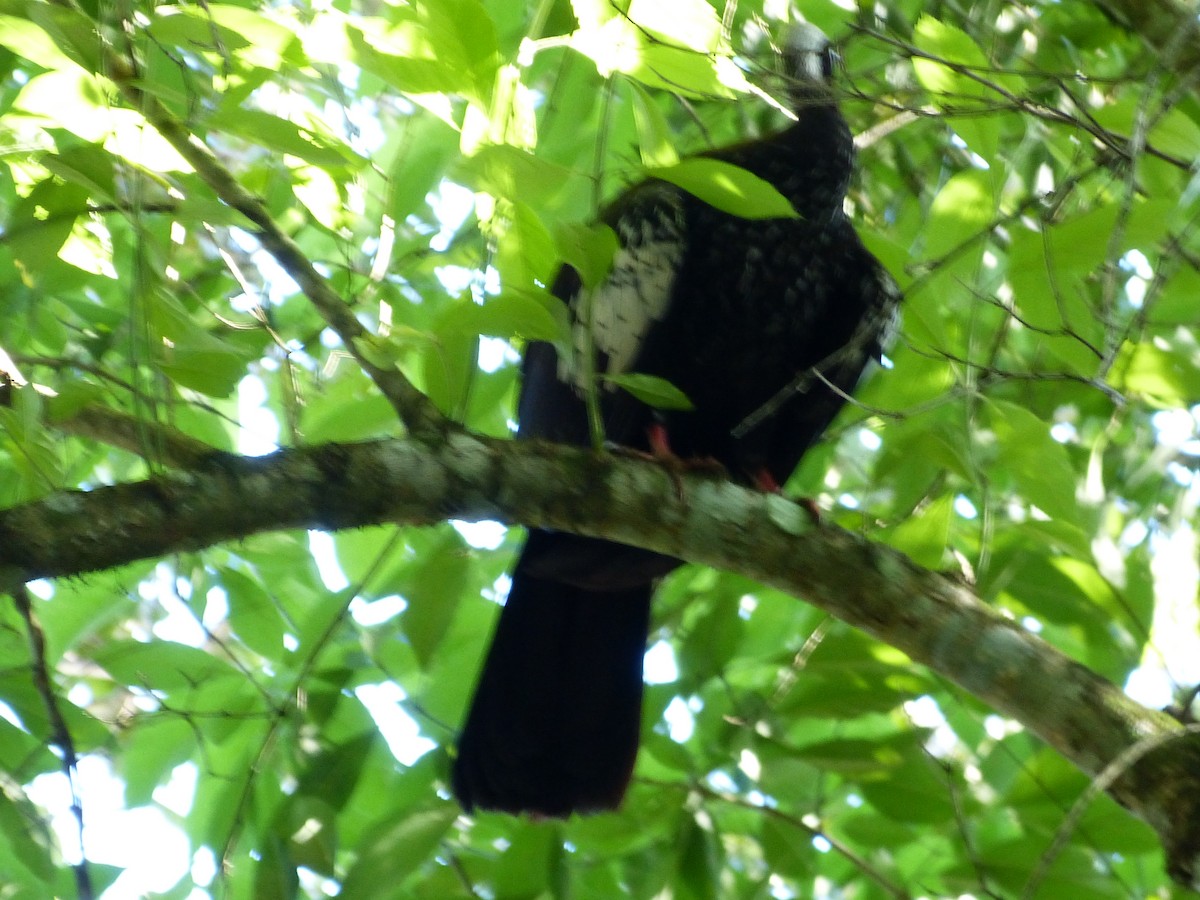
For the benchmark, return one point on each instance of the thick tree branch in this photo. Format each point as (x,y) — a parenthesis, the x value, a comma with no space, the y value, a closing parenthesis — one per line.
(934,620)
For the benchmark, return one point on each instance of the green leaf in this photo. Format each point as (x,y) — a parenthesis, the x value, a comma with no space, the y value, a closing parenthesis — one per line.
(589,249)
(1174,131)
(87,166)
(275,875)
(616,42)
(423,150)
(1073,873)
(402,58)
(699,862)
(959,78)
(46,217)
(963,207)
(333,774)
(23,37)
(1166,377)
(1063,590)
(651,390)
(151,749)
(175,26)
(307,142)
(923,536)
(527,255)
(397,853)
(947,44)
(513,313)
(268,43)
(685,23)
(190,355)
(22,754)
(434,586)
(461,35)
(347,410)
(312,834)
(712,638)
(27,860)
(527,868)
(511,173)
(656,142)
(161,665)
(1039,465)
(852,757)
(253,615)
(210,371)
(728,188)
(1050,270)
(787,848)
(912,792)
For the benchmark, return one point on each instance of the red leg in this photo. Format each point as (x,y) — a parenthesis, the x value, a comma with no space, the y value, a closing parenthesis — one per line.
(766,482)
(659,440)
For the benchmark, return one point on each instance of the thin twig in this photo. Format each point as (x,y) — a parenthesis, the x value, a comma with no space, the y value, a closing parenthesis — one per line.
(850,855)
(60,735)
(1118,143)
(1101,783)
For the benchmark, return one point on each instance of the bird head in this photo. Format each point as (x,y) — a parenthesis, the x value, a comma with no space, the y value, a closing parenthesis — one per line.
(808,60)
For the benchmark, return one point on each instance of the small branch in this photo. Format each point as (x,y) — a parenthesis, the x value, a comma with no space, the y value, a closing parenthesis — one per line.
(132,433)
(770,812)
(60,735)
(839,847)
(1117,143)
(414,408)
(1101,783)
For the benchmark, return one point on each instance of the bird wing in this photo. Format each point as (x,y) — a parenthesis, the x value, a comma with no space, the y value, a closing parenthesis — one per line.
(614,319)
(610,323)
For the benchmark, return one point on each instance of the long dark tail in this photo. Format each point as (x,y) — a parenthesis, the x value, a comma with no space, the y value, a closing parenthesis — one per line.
(553,728)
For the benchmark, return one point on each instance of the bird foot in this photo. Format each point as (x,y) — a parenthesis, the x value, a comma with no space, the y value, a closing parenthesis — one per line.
(810,507)
(674,465)
(765,482)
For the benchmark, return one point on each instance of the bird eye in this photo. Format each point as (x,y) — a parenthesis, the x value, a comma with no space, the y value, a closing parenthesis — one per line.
(829,61)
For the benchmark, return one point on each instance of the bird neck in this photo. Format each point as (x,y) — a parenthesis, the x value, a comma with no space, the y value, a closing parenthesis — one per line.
(809,162)
(821,150)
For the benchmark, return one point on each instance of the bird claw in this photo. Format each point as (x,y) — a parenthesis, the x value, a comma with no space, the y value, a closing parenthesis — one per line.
(675,466)
(766,483)
(810,506)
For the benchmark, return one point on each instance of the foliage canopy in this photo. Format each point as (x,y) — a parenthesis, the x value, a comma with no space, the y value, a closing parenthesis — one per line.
(1027,172)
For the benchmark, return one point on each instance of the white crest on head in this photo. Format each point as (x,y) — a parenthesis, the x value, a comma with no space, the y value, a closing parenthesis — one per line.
(808,53)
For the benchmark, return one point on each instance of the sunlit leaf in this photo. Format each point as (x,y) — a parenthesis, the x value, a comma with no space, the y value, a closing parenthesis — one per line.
(729,188)
(588,249)
(655,141)
(1166,377)
(433,589)
(651,390)
(400,848)
(24,38)
(1039,465)
(161,665)
(923,536)
(508,172)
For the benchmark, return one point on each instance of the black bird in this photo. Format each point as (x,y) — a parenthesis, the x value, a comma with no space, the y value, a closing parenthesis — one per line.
(766,325)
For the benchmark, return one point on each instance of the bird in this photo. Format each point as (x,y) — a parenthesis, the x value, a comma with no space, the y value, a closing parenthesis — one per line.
(766,326)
